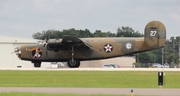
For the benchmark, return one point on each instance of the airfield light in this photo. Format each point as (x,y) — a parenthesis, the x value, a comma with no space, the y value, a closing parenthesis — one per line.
(160,79)
(131,92)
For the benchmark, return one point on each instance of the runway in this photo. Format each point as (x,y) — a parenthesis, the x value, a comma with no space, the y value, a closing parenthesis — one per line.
(96,69)
(113,91)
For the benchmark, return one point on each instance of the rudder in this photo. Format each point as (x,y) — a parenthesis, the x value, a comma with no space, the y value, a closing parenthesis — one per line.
(155,34)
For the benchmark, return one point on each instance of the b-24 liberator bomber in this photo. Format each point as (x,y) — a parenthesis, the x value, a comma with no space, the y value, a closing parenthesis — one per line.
(72,49)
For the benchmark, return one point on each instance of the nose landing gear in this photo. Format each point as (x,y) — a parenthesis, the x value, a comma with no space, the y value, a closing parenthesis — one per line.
(37,64)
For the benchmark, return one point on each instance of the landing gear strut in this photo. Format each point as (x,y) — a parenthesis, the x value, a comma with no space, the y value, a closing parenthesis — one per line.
(73,63)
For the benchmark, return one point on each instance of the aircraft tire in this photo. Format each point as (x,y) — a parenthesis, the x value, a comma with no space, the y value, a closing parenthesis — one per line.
(37,65)
(74,64)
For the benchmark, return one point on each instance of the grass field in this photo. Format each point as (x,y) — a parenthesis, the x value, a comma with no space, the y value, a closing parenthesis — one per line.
(87,79)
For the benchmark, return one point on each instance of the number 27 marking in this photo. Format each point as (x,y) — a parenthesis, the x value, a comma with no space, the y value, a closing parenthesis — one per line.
(153,33)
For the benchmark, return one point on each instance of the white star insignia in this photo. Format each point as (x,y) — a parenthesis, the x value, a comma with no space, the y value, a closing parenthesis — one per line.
(108,48)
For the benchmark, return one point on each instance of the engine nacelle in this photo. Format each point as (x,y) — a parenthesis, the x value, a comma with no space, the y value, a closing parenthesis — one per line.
(64,43)
(53,43)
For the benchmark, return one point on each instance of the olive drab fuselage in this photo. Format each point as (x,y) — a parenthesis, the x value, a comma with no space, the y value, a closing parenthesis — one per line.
(71,47)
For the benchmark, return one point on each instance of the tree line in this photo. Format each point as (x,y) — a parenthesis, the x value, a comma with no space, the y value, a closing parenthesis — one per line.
(121,32)
(171,49)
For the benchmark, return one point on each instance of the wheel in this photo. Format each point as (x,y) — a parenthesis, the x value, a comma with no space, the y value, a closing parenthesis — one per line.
(37,65)
(73,64)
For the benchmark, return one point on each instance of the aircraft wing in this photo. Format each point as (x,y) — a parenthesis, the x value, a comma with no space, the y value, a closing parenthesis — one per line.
(66,42)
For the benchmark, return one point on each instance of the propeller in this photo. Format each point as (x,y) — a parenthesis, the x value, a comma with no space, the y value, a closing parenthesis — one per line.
(16,50)
(46,44)
(46,40)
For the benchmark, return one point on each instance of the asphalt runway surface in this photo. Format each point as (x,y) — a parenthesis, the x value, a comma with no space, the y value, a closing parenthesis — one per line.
(96,69)
(114,91)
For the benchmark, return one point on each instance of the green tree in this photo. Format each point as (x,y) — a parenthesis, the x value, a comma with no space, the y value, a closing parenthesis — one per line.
(37,35)
(127,32)
(50,34)
(173,50)
(147,57)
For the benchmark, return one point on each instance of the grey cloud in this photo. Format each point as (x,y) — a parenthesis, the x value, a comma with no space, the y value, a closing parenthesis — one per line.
(29,16)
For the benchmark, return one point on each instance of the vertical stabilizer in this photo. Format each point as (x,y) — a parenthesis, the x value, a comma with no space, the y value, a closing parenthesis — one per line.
(155,34)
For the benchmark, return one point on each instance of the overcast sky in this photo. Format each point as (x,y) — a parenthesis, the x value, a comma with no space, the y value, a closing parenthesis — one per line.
(22,18)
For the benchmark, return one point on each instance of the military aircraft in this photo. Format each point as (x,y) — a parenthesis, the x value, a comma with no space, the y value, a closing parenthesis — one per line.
(73,49)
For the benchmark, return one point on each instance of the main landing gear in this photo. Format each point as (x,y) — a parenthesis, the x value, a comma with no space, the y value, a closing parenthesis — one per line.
(73,63)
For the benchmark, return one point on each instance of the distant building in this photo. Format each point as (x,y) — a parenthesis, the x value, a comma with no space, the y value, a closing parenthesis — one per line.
(9,60)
